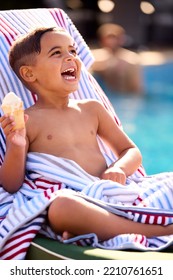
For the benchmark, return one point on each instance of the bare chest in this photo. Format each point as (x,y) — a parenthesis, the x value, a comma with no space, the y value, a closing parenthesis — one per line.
(60,130)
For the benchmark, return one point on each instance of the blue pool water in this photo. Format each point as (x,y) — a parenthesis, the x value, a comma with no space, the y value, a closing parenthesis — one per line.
(148,120)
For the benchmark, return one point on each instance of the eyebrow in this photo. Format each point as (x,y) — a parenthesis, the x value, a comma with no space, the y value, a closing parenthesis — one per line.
(59,47)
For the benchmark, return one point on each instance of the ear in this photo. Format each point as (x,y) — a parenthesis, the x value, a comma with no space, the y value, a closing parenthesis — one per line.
(27,74)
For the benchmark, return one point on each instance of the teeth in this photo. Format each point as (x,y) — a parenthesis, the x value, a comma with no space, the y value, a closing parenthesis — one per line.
(70,78)
(69,70)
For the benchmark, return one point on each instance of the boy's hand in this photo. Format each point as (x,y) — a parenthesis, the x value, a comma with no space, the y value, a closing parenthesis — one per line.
(15,137)
(115,174)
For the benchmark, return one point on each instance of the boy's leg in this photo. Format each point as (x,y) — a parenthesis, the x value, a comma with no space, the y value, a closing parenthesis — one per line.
(68,213)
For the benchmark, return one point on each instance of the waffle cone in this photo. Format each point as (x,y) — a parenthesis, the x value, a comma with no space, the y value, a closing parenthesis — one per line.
(17,112)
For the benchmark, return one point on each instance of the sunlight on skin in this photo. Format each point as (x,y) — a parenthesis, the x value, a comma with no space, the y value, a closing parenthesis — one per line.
(152,58)
(145,57)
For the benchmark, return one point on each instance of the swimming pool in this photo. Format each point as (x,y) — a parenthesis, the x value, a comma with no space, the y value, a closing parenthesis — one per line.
(148,120)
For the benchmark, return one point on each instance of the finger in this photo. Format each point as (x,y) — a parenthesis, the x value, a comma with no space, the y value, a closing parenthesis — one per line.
(4,117)
(9,128)
(6,121)
(8,124)
(122,180)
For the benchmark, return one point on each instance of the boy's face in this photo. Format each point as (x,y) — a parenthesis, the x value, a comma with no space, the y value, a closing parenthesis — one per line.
(57,66)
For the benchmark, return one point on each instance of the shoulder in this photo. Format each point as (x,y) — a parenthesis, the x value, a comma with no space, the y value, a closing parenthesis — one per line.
(90,103)
(93,107)
(31,110)
(35,112)
(129,56)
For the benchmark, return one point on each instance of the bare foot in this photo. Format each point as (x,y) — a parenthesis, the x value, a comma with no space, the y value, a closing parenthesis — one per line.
(66,235)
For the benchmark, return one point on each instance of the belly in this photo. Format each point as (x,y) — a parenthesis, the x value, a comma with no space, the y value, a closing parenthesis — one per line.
(93,162)
(88,155)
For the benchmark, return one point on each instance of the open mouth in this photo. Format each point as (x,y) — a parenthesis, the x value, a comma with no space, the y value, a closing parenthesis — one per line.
(69,74)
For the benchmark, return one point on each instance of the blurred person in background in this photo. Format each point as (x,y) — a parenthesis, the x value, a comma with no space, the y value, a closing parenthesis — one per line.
(117,68)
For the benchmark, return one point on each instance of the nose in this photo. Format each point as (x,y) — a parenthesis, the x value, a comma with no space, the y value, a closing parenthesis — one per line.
(69,57)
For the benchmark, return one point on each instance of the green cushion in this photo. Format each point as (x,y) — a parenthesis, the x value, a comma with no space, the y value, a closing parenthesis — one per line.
(47,249)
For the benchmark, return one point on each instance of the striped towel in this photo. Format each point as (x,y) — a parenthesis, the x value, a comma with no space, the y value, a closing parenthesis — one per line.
(143,199)
(23,214)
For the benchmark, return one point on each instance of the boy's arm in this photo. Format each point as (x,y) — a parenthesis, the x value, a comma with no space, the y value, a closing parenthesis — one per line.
(12,171)
(129,156)
(127,163)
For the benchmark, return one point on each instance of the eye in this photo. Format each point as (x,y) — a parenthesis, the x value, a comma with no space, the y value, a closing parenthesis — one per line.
(73,52)
(56,53)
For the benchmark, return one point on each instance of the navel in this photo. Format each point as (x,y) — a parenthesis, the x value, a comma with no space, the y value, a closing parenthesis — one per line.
(49,136)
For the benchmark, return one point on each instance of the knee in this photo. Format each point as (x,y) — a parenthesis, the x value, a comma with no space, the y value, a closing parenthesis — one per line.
(60,211)
(59,206)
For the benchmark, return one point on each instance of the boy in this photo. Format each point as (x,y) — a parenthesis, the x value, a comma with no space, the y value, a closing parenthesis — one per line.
(46,62)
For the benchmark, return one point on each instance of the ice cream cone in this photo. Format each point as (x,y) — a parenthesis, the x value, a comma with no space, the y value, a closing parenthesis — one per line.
(13,106)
